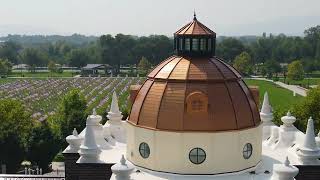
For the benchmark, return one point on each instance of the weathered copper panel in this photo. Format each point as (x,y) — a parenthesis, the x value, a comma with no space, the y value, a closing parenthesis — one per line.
(197,121)
(165,72)
(221,109)
(149,111)
(134,89)
(241,105)
(255,93)
(195,28)
(172,107)
(252,103)
(230,67)
(155,71)
(212,71)
(197,70)
(227,73)
(136,107)
(181,70)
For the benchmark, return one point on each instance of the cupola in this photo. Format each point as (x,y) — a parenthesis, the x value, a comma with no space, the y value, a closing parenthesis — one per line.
(195,40)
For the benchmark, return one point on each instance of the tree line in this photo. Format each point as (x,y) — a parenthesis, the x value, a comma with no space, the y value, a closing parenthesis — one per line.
(128,50)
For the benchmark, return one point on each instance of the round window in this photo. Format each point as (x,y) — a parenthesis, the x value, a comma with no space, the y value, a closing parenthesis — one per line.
(144,150)
(197,156)
(247,151)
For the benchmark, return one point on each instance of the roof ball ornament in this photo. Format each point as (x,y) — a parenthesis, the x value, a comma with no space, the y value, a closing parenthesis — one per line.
(288,121)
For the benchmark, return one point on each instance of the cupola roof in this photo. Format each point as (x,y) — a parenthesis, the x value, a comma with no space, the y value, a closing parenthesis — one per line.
(194,28)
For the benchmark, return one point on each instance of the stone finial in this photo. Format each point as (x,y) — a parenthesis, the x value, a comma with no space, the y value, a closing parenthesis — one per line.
(287,162)
(266,111)
(288,121)
(74,142)
(89,150)
(94,112)
(75,132)
(309,152)
(114,115)
(284,171)
(123,169)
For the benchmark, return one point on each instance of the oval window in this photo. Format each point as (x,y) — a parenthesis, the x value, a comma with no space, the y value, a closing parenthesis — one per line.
(247,151)
(197,155)
(144,150)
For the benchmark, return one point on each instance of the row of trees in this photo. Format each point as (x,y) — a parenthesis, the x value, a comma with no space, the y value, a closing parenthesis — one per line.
(128,50)
(24,139)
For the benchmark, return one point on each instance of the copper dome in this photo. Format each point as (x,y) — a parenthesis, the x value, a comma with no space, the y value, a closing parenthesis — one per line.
(161,102)
(194,90)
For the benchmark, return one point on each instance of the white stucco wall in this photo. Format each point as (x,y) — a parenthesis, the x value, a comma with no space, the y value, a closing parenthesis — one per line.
(169,151)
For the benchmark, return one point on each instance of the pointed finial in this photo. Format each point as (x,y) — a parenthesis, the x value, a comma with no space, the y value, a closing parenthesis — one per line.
(75,132)
(123,160)
(287,162)
(94,112)
(194,15)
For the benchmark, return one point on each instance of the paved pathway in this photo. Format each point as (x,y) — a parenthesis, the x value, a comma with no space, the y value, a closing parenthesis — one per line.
(294,88)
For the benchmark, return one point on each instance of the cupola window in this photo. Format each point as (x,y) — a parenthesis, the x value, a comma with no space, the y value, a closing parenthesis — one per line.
(247,151)
(197,102)
(197,155)
(202,44)
(180,44)
(187,44)
(209,45)
(144,150)
(195,44)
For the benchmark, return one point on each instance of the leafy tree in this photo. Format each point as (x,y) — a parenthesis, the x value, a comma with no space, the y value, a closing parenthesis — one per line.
(243,63)
(14,128)
(295,70)
(77,58)
(308,107)
(33,57)
(229,48)
(10,50)
(144,65)
(272,67)
(43,145)
(52,67)
(71,113)
(5,67)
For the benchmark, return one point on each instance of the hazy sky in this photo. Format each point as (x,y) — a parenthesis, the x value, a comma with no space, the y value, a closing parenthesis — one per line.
(145,17)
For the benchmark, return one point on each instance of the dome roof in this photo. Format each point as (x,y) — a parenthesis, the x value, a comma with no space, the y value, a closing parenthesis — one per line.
(194,94)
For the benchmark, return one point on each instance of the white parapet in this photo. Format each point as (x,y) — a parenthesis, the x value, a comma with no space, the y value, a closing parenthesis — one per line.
(89,150)
(284,171)
(266,111)
(288,121)
(122,170)
(309,152)
(74,142)
(114,115)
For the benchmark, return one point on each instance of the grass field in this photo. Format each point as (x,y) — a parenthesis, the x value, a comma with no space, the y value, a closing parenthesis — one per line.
(304,82)
(279,97)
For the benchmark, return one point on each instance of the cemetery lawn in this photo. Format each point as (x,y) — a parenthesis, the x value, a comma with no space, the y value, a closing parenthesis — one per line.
(279,97)
(304,82)
(41,74)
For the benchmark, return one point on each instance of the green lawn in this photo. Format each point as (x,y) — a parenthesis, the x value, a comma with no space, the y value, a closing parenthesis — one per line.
(279,97)
(41,74)
(304,82)
(5,80)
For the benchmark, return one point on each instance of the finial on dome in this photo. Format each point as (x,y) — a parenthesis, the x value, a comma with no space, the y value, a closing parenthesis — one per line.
(287,162)
(194,15)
